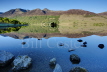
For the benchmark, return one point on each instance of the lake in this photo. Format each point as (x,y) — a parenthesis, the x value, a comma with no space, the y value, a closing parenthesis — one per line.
(41,49)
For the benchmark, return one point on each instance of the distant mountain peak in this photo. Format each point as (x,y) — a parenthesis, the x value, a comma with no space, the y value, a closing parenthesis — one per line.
(14,12)
(45,9)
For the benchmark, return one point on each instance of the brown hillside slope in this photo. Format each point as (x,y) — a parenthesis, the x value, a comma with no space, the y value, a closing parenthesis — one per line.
(103,13)
(13,12)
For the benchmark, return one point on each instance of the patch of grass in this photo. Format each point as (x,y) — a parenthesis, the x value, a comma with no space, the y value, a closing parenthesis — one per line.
(39,24)
(68,24)
(99,24)
(89,15)
(78,23)
(37,19)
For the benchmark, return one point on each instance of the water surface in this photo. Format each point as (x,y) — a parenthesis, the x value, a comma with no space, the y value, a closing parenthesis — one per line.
(41,51)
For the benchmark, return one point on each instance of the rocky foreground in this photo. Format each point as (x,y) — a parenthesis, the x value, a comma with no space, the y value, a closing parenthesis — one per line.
(19,63)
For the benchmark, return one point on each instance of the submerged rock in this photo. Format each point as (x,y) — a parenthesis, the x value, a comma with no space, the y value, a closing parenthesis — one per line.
(61,44)
(101,46)
(39,39)
(23,43)
(84,43)
(78,69)
(5,58)
(69,50)
(52,61)
(21,62)
(74,59)
(79,40)
(57,68)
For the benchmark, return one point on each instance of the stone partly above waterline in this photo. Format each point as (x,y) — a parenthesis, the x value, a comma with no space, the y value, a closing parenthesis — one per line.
(101,46)
(52,61)
(69,50)
(75,59)
(57,68)
(79,40)
(21,62)
(5,58)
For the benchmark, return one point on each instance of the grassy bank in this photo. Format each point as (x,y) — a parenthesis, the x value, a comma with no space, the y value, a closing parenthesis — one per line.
(67,24)
(38,24)
(81,24)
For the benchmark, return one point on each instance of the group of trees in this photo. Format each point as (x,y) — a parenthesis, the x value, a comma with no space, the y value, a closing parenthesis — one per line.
(10,21)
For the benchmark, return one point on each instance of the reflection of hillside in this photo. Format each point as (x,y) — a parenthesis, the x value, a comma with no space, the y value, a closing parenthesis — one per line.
(48,35)
(8,29)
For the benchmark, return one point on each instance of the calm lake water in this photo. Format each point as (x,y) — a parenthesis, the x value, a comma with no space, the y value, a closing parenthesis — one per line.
(92,57)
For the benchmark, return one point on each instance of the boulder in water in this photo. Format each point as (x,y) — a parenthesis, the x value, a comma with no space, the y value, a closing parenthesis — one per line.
(57,68)
(5,58)
(21,62)
(74,59)
(101,46)
(79,40)
(52,61)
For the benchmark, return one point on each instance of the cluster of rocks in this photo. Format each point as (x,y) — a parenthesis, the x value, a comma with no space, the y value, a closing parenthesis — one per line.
(19,63)
(84,44)
(74,58)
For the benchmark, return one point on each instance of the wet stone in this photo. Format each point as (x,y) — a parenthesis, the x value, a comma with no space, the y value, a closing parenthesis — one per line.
(75,59)
(57,68)
(6,58)
(21,62)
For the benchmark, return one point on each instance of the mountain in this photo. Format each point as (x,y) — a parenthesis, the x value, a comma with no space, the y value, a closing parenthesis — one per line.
(23,12)
(51,12)
(79,12)
(103,13)
(34,12)
(14,12)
